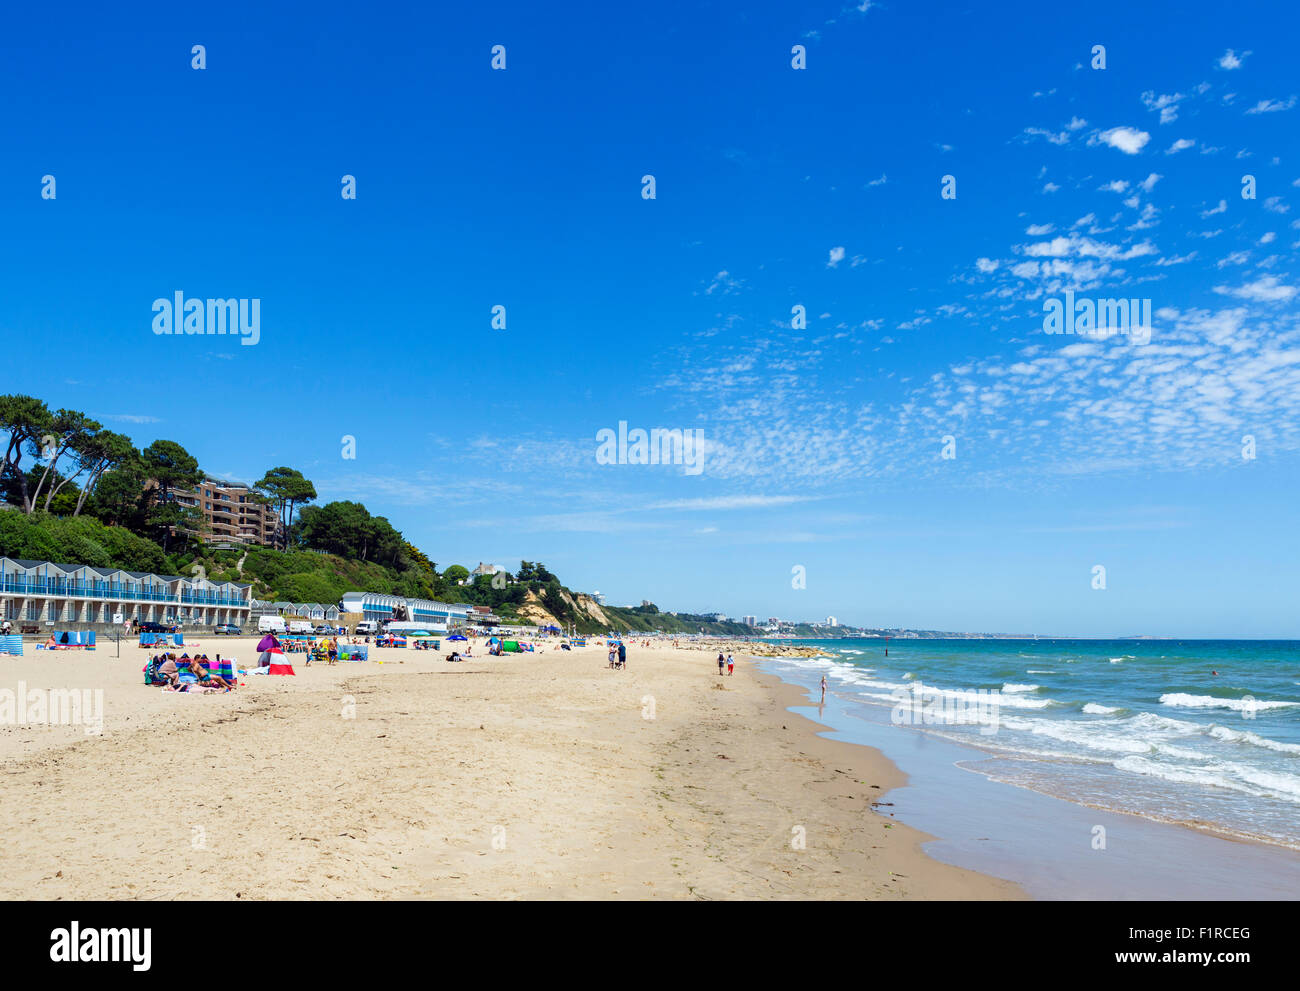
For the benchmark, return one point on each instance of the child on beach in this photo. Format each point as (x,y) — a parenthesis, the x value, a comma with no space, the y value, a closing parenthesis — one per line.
(731,665)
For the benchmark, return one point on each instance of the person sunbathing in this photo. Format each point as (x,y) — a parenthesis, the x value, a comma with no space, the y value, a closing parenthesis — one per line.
(206,678)
(167,670)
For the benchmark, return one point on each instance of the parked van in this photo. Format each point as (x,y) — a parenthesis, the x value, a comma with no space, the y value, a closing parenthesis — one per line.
(367,628)
(299,626)
(270,624)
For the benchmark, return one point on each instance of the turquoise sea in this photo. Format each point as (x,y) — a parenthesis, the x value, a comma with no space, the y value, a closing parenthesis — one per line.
(1138,726)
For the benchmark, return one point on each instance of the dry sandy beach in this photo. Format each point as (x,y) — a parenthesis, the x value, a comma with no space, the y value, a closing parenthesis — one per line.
(526,776)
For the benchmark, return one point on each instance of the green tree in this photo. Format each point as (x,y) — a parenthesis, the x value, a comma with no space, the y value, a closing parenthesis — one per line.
(286,488)
(27,421)
(120,496)
(171,466)
(70,432)
(100,453)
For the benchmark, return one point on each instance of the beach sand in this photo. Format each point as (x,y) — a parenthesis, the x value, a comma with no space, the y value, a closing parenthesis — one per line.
(527,776)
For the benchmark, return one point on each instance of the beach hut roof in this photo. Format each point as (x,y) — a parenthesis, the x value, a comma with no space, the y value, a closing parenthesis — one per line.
(40,564)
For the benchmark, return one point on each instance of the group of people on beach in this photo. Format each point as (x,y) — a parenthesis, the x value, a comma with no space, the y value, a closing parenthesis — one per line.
(617,655)
(166,669)
(326,649)
(728,662)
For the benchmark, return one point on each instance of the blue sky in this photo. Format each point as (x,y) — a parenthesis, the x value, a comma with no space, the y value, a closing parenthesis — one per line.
(775,187)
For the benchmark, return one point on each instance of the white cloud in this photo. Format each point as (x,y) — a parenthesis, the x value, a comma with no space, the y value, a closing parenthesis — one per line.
(879,182)
(1129,140)
(1057,138)
(130,418)
(723,284)
(1180,145)
(986,265)
(1271,106)
(1266,289)
(837,256)
(1231,60)
(1114,186)
(1038,230)
(1221,208)
(1149,183)
(729,502)
(1166,103)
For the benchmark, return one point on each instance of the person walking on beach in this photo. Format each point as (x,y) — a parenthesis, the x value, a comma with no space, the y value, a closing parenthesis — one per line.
(622,655)
(823,702)
(721,662)
(731,665)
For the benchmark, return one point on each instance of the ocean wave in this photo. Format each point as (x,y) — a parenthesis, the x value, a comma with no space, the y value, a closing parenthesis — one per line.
(1095,709)
(1149,722)
(1185,701)
(1225,774)
(1032,671)
(1081,734)
(1010,688)
(1242,736)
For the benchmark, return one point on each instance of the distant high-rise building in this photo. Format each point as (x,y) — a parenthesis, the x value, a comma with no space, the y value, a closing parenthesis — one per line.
(749,620)
(832,621)
(773,621)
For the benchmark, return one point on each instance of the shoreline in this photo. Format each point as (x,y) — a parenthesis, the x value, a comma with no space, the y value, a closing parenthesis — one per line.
(876,766)
(1045,843)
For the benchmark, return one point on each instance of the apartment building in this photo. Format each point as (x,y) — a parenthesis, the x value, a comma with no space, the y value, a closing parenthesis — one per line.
(233,513)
